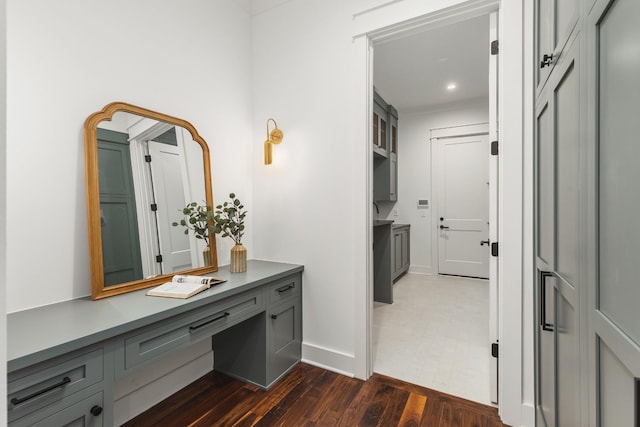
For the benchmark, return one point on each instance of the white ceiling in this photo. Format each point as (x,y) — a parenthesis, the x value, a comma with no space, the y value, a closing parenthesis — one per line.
(413,72)
(255,7)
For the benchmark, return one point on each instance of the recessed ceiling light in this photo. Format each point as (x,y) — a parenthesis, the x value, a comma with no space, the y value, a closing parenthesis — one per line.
(451,86)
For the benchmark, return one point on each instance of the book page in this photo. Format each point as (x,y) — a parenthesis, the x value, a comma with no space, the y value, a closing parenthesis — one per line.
(185,278)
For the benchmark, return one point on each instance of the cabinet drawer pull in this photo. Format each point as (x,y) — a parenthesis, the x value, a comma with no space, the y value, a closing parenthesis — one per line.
(547,60)
(274,316)
(96,410)
(222,316)
(284,289)
(543,302)
(19,400)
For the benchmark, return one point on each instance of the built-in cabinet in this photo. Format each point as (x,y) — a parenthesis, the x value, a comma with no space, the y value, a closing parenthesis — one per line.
(64,358)
(391,257)
(385,150)
(400,255)
(587,338)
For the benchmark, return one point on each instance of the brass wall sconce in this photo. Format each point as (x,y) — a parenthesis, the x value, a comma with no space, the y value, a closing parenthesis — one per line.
(273,137)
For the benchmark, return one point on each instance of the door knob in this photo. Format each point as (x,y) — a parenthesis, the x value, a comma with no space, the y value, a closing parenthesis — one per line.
(444,227)
(484,242)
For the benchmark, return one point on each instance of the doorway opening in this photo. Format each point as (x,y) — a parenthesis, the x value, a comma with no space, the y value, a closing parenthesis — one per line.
(436,78)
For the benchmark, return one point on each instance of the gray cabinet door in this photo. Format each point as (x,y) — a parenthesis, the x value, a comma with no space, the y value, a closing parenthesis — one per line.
(397,253)
(393,180)
(406,242)
(284,336)
(614,267)
(555,19)
(557,246)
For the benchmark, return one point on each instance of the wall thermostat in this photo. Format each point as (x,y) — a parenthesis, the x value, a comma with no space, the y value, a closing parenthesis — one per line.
(423,204)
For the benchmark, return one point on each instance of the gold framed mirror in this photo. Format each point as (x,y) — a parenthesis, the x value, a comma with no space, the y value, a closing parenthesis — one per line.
(142,168)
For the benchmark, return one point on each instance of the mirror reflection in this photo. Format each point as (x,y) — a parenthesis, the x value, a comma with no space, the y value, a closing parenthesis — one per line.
(148,170)
(142,169)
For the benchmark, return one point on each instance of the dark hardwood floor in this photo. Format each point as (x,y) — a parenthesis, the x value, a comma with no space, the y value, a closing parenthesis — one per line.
(314,397)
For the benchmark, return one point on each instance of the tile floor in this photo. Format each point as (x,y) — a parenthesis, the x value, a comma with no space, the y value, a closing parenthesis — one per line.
(436,335)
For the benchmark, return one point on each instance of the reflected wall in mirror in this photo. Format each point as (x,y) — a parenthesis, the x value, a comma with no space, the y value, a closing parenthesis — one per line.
(142,169)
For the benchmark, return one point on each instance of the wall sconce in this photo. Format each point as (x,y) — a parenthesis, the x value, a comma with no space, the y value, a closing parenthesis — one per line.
(273,137)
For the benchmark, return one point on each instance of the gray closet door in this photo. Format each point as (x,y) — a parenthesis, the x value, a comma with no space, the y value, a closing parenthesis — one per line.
(555,20)
(614,314)
(557,245)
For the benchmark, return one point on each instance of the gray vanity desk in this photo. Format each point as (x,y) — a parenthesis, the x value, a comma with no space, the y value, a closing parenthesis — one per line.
(64,358)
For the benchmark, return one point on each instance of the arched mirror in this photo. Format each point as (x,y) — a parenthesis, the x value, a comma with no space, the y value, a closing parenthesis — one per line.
(142,169)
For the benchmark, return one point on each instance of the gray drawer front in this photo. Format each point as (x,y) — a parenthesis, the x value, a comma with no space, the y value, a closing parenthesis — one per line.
(283,289)
(49,384)
(74,415)
(152,342)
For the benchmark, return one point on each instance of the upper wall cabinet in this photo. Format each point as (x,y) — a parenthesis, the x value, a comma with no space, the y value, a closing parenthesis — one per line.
(380,132)
(555,20)
(385,150)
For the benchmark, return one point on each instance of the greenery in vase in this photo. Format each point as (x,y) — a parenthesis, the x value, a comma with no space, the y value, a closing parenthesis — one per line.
(228,219)
(197,218)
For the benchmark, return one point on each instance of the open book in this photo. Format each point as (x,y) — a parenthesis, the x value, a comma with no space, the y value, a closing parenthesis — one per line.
(184,286)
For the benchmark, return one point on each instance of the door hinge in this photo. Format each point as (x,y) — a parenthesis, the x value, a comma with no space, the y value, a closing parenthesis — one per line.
(494,148)
(494,349)
(147,158)
(158,258)
(494,47)
(154,207)
(494,249)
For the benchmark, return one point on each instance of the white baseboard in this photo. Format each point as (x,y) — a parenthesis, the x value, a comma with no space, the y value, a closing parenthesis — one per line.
(421,269)
(528,415)
(328,359)
(147,386)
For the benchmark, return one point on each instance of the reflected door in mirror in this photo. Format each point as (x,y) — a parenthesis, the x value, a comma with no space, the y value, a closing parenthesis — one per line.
(118,217)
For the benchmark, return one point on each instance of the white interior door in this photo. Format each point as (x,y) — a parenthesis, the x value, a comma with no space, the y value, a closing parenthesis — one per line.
(168,170)
(463,206)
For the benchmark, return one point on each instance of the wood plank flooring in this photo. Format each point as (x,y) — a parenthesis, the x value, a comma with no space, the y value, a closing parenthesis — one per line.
(314,397)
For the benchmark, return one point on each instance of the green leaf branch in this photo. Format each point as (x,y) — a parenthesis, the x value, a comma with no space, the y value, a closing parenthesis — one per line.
(197,218)
(228,219)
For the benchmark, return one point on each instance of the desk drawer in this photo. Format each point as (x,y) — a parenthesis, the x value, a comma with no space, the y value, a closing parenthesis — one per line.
(283,289)
(149,343)
(52,382)
(86,412)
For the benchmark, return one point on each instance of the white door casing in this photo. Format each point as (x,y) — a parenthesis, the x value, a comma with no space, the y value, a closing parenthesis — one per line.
(494,159)
(511,124)
(463,205)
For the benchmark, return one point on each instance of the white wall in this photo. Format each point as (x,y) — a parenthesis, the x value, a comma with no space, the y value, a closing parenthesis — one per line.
(3,207)
(304,200)
(159,55)
(414,170)
(69,58)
